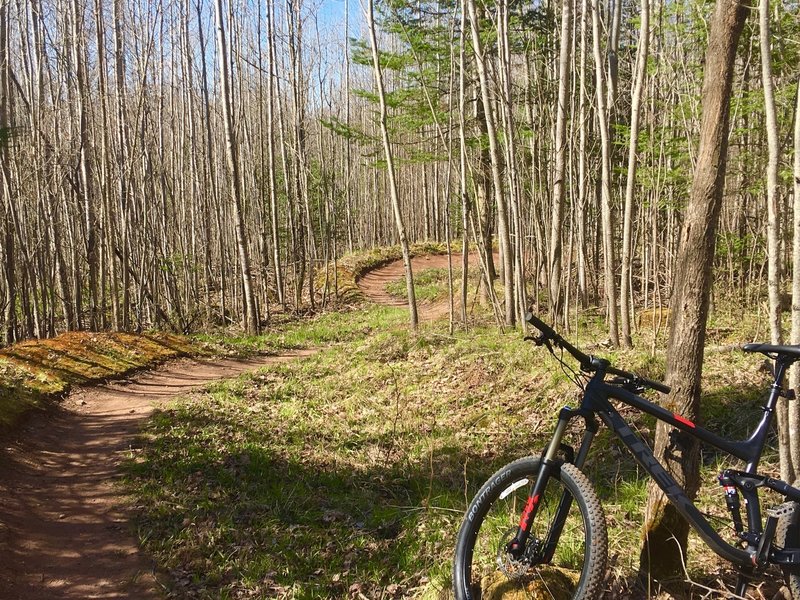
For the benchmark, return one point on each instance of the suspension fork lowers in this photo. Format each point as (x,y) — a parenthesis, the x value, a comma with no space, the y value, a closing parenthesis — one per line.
(550,466)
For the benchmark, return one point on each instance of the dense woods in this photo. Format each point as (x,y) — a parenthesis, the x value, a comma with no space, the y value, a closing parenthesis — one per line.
(185,164)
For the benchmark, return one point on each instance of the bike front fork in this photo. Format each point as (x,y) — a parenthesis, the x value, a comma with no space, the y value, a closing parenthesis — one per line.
(550,466)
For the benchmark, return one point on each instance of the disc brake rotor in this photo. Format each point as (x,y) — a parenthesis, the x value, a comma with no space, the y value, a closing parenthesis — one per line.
(512,568)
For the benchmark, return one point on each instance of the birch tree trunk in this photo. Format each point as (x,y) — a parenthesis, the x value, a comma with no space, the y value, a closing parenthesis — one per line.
(251,322)
(794,407)
(494,154)
(273,184)
(387,149)
(788,469)
(90,224)
(556,219)
(609,263)
(9,268)
(462,154)
(636,103)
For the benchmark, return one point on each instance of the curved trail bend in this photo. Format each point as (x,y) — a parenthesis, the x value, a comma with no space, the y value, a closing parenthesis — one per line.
(64,529)
(373,283)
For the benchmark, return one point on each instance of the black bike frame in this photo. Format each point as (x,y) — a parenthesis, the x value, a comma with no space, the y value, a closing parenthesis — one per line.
(596,401)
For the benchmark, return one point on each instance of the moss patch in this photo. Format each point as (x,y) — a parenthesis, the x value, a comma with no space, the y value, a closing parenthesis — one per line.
(36,371)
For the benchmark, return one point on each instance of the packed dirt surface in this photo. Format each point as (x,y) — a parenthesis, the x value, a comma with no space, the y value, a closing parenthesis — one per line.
(64,529)
(373,284)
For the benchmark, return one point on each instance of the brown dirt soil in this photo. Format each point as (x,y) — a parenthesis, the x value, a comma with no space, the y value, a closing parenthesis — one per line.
(64,529)
(373,283)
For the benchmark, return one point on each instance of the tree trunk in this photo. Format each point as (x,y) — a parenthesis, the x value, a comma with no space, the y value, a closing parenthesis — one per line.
(556,219)
(636,103)
(609,264)
(462,153)
(689,305)
(86,188)
(251,323)
(273,185)
(9,254)
(387,148)
(788,470)
(794,407)
(494,154)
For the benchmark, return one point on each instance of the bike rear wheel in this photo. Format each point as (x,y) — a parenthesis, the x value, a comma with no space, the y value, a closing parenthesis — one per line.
(788,536)
(483,570)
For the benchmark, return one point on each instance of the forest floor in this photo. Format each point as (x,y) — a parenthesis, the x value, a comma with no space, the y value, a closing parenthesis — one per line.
(341,475)
(64,527)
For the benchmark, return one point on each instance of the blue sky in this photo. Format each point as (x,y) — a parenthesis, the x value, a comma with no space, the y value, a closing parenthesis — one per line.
(331,13)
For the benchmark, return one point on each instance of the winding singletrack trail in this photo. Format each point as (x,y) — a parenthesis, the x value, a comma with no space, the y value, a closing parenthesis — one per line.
(373,283)
(64,529)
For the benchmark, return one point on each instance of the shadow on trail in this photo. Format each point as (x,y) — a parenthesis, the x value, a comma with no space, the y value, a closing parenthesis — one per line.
(63,531)
(249,516)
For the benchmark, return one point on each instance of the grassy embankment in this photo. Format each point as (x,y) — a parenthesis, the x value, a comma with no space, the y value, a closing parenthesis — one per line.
(346,474)
(431,285)
(36,372)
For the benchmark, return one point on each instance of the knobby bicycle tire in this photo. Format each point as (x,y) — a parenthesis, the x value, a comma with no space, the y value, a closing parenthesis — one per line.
(576,571)
(787,535)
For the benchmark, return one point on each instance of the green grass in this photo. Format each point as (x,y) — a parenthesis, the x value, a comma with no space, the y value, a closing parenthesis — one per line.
(320,330)
(431,285)
(349,471)
(351,267)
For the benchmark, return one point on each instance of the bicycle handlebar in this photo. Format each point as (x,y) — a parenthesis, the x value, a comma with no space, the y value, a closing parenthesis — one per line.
(587,362)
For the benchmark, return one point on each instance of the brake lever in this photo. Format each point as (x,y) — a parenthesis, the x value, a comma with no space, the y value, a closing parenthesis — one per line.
(632,385)
(540,340)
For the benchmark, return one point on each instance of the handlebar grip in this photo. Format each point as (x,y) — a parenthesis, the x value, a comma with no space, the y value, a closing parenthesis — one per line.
(551,334)
(548,331)
(656,385)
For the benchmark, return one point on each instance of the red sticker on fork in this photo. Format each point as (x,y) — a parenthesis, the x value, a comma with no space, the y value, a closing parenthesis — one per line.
(683,420)
(526,512)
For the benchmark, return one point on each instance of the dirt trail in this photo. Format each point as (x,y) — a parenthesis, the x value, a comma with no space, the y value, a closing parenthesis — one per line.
(64,530)
(373,284)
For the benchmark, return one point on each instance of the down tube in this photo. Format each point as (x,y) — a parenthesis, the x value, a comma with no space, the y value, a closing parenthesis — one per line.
(641,452)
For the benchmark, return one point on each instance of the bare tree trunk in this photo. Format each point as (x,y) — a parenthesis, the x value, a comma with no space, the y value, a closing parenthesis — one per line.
(123,322)
(387,148)
(294,25)
(794,408)
(497,182)
(689,305)
(251,321)
(462,153)
(556,219)
(636,103)
(348,205)
(583,288)
(273,185)
(90,224)
(788,470)
(9,270)
(609,263)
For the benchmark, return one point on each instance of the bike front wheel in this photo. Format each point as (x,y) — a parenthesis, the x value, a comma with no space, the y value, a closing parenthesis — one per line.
(575,569)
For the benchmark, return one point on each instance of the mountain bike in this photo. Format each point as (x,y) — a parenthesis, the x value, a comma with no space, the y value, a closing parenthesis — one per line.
(537,528)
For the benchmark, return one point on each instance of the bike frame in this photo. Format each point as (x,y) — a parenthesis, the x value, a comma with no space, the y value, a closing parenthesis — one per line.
(597,402)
